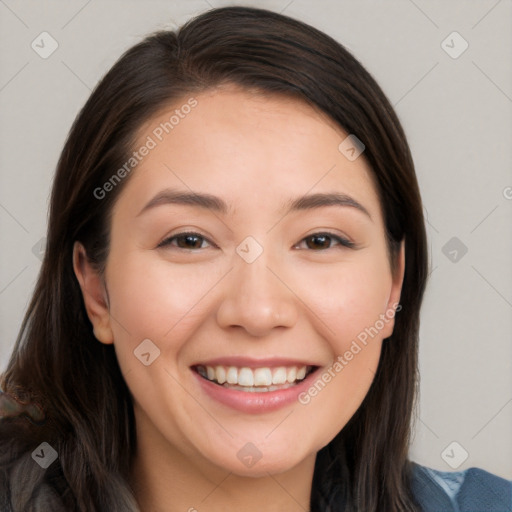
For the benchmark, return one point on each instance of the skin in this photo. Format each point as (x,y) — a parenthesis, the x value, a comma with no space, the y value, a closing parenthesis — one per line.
(298,299)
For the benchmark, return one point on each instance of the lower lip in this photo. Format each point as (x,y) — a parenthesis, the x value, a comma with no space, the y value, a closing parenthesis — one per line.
(254,402)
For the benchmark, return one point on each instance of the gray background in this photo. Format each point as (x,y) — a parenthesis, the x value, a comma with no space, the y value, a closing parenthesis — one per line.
(456,113)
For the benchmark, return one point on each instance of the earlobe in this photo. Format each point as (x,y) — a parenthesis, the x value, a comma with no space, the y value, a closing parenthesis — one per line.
(94,295)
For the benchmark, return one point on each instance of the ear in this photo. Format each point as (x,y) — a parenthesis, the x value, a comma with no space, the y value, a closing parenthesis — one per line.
(94,295)
(393,305)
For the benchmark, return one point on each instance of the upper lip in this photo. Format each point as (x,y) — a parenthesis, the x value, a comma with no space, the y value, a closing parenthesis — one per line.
(249,362)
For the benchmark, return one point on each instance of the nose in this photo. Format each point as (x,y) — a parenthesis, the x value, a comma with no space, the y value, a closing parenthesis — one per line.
(258,298)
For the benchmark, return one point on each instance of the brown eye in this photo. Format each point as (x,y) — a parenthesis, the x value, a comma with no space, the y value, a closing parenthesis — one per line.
(190,241)
(319,241)
(322,241)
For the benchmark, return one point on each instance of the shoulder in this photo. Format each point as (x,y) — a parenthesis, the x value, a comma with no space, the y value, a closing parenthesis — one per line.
(471,490)
(25,484)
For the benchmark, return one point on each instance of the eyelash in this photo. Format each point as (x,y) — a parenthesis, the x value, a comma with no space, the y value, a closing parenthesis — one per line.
(343,242)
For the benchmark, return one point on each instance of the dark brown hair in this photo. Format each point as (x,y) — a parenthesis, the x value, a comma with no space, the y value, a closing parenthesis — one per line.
(58,364)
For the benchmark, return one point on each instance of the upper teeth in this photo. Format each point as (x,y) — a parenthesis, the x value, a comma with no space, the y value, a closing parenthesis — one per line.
(253,376)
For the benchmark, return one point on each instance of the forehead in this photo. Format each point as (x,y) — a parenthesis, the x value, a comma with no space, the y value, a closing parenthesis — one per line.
(246,146)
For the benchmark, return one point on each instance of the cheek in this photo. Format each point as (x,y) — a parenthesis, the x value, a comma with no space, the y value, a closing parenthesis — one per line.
(151,298)
(349,298)
(350,303)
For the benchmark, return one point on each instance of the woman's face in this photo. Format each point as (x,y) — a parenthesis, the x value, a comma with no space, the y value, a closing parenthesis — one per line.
(270,282)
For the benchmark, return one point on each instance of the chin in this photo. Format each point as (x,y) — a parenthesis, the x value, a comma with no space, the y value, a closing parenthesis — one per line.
(250,462)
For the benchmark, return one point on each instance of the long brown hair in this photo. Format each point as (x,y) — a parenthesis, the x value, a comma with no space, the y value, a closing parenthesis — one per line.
(84,407)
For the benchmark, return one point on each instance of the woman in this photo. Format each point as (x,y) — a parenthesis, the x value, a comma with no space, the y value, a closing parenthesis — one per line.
(227,313)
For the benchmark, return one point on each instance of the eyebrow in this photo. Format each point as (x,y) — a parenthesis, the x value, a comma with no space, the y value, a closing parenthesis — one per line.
(216,204)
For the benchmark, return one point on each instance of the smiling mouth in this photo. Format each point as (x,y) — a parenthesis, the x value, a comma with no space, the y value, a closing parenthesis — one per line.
(255,380)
